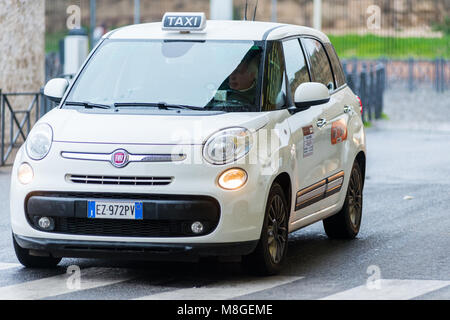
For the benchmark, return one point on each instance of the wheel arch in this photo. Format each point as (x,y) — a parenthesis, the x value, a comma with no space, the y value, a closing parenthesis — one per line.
(361,160)
(284,180)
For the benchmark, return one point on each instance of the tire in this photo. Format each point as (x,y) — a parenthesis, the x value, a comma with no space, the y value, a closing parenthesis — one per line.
(30,261)
(346,223)
(270,253)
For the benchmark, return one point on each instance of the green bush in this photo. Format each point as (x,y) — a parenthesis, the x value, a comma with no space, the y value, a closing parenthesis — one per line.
(444,26)
(372,47)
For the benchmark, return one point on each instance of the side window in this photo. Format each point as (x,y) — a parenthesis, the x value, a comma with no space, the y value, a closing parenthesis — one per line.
(336,64)
(296,67)
(320,66)
(274,92)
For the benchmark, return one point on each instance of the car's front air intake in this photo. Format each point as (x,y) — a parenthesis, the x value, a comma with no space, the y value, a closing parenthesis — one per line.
(118,180)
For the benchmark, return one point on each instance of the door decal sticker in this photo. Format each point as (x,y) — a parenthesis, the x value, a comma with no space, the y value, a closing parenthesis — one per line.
(338,131)
(308,141)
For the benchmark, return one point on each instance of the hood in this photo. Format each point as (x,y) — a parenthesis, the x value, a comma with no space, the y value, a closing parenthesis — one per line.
(73,126)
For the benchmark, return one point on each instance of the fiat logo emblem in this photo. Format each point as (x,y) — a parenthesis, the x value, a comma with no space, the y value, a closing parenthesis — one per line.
(119,158)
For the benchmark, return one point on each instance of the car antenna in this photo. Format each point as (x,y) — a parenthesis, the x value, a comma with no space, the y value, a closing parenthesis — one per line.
(254,13)
(245,11)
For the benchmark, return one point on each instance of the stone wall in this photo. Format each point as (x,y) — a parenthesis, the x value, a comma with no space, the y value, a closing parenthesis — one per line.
(22,26)
(22,55)
(338,15)
(115,13)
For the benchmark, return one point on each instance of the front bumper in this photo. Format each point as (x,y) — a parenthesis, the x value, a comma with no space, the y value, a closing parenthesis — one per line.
(163,215)
(134,250)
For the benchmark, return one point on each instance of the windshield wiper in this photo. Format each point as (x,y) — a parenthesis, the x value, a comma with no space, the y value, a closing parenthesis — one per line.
(88,105)
(231,108)
(160,105)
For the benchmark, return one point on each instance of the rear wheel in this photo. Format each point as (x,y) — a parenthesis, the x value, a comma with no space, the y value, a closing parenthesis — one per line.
(346,223)
(30,261)
(270,253)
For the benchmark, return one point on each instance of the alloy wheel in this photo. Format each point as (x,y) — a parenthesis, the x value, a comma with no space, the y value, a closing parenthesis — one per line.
(355,198)
(277,229)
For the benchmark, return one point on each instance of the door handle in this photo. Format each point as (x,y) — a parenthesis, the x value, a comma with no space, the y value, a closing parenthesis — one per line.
(321,123)
(347,109)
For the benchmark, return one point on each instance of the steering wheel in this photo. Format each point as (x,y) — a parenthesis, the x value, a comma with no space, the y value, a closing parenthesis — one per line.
(240,99)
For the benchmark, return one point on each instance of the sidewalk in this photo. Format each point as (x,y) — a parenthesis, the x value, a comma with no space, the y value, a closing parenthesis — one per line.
(5,177)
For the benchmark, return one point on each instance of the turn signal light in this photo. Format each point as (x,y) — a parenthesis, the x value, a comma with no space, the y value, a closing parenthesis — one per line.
(25,173)
(232,179)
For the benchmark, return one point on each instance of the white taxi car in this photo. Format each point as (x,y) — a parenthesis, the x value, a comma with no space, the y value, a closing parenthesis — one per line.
(191,138)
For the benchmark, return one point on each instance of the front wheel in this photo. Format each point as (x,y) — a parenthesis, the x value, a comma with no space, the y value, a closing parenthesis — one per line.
(270,253)
(346,223)
(30,261)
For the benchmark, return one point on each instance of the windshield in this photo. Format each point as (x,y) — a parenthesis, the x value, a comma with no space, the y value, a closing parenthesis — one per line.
(203,74)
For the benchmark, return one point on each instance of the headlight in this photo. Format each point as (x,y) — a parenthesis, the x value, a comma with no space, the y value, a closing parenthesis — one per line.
(39,141)
(227,145)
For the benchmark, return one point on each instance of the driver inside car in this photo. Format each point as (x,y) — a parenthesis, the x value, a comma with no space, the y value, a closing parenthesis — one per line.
(241,86)
(243,78)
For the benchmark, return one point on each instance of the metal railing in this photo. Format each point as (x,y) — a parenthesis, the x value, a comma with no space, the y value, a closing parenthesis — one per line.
(368,81)
(17,128)
(410,74)
(415,73)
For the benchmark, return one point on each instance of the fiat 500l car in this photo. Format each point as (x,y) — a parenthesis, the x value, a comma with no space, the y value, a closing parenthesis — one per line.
(192,138)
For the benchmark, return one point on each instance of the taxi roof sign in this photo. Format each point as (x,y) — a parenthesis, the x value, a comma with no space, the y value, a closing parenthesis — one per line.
(186,21)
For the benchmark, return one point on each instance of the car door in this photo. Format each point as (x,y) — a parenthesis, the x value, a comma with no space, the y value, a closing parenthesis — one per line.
(332,123)
(308,176)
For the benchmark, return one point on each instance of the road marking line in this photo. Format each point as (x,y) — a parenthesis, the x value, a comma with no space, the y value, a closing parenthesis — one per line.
(223,290)
(61,284)
(391,289)
(4,266)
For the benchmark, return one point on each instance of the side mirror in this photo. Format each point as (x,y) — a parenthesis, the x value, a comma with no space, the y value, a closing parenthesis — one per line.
(55,89)
(311,94)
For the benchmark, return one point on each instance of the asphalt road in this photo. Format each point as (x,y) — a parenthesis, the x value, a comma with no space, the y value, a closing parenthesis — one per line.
(402,251)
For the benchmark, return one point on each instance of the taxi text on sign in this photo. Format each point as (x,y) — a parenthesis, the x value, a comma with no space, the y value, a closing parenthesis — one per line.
(184,21)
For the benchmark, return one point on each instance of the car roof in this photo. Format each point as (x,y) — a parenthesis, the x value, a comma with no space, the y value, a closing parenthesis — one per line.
(218,30)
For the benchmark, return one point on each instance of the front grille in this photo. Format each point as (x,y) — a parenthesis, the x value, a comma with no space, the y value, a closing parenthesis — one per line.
(117,180)
(122,228)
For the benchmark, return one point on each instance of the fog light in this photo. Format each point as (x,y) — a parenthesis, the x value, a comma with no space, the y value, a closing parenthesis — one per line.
(232,179)
(46,223)
(197,227)
(25,173)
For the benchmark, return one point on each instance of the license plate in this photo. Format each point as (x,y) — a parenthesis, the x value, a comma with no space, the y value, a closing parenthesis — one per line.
(115,210)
